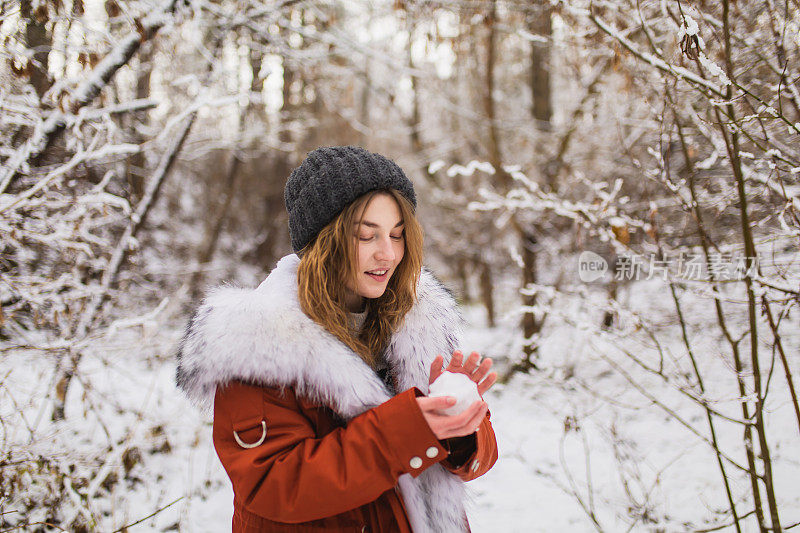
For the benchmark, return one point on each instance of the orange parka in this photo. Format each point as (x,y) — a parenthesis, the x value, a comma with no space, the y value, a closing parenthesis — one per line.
(311,438)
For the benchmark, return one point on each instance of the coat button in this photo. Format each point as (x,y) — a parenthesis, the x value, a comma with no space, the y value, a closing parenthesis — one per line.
(415,462)
(475,465)
(432,452)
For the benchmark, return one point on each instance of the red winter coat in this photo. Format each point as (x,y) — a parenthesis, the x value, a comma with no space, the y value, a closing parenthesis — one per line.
(310,436)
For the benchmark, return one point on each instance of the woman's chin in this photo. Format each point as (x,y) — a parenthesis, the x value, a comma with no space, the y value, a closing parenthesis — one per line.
(374,293)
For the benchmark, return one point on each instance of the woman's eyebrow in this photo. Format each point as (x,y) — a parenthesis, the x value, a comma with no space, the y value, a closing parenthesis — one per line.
(374,225)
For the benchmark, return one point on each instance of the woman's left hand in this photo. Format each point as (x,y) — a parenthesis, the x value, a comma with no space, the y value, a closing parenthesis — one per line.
(473,367)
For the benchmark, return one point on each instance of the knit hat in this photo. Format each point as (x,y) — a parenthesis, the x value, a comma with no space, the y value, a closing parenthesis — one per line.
(329,179)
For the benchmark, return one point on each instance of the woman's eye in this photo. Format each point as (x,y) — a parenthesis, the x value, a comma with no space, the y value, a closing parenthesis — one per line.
(367,238)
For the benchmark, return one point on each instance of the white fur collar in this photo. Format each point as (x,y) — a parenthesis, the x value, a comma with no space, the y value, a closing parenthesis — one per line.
(262,336)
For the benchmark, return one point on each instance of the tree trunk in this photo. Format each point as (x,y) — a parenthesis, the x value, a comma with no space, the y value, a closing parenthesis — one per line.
(257,111)
(215,228)
(487,292)
(733,149)
(538,24)
(494,147)
(463,277)
(530,326)
(136,164)
(39,41)
(414,123)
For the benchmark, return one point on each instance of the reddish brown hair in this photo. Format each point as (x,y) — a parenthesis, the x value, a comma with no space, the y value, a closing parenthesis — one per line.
(330,261)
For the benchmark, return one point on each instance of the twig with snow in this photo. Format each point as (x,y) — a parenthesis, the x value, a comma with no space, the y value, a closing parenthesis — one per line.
(87,91)
(82,156)
(148,318)
(151,515)
(655,61)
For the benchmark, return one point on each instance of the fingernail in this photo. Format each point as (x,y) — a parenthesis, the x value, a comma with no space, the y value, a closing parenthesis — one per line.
(451,400)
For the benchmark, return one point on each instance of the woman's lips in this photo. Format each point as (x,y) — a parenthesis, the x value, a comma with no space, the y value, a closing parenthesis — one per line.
(378,278)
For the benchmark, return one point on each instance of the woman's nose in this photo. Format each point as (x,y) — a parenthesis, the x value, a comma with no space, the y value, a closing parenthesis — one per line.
(385,250)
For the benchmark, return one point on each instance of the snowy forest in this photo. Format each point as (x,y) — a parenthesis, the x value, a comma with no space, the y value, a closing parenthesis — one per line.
(610,188)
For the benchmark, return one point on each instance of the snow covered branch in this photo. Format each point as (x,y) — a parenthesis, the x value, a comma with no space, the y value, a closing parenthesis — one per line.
(657,62)
(86,92)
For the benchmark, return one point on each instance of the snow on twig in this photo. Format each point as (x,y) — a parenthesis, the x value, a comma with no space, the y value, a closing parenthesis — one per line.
(656,62)
(138,217)
(32,147)
(120,56)
(148,318)
(140,104)
(86,92)
(78,158)
(532,37)
(470,169)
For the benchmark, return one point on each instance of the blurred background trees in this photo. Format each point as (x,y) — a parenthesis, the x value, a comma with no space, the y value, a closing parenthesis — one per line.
(145,145)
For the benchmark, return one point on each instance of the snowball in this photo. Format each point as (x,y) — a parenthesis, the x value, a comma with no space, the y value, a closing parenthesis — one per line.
(463,389)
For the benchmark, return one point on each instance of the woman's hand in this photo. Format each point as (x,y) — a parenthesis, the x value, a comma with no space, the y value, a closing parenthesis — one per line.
(447,426)
(473,367)
(468,421)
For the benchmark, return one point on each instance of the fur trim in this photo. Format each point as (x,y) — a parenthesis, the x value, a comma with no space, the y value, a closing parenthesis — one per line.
(262,336)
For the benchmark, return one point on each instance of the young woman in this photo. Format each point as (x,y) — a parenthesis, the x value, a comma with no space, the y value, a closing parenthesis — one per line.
(318,377)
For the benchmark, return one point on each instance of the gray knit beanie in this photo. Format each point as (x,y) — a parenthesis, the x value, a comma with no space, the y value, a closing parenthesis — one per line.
(329,179)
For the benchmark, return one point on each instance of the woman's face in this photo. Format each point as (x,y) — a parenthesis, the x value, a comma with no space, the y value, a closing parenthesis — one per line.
(380,245)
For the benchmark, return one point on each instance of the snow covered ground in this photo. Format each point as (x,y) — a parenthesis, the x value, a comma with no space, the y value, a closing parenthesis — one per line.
(582,449)
(576,438)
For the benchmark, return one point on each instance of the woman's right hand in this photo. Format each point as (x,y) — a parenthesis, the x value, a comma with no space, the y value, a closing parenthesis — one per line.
(447,426)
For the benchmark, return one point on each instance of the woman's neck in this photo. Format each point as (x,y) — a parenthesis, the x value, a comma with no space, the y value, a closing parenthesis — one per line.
(355,303)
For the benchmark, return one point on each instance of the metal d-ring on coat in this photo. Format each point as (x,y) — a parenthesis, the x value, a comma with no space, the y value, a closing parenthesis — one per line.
(259,442)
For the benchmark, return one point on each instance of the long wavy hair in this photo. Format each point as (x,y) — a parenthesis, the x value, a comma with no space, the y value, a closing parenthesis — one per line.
(329,261)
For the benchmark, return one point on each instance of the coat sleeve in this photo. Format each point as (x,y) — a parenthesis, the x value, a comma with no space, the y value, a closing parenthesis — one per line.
(473,455)
(295,476)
